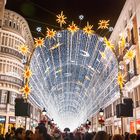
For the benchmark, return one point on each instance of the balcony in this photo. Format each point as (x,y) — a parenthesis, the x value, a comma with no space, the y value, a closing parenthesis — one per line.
(10,79)
(10,51)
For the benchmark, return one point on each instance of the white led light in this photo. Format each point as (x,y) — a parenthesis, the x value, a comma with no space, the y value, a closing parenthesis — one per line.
(81,17)
(38,29)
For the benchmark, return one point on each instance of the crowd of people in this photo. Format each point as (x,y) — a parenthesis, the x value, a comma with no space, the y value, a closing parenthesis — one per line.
(41,134)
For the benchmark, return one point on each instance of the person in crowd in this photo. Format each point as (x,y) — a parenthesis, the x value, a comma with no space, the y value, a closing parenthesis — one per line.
(29,134)
(10,134)
(78,136)
(138,135)
(101,135)
(66,136)
(88,136)
(126,136)
(2,137)
(117,137)
(132,136)
(41,133)
(19,134)
(57,135)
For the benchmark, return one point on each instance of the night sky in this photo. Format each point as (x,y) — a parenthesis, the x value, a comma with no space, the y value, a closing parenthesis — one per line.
(43,12)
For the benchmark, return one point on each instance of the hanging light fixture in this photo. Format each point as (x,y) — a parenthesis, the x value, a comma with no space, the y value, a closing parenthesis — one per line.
(44,111)
(101,112)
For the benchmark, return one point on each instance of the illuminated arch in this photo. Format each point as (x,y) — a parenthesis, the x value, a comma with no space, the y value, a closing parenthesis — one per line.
(72,64)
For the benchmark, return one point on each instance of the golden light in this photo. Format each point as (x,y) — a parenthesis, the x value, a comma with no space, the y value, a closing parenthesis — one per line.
(130,54)
(50,33)
(73,28)
(39,42)
(27,73)
(120,80)
(61,19)
(26,89)
(23,49)
(103,24)
(122,42)
(88,29)
(103,55)
(108,44)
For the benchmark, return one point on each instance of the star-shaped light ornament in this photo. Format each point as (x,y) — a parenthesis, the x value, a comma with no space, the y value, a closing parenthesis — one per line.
(61,19)
(23,49)
(103,55)
(73,28)
(50,33)
(130,54)
(122,42)
(26,89)
(39,42)
(120,80)
(88,29)
(27,73)
(103,24)
(108,44)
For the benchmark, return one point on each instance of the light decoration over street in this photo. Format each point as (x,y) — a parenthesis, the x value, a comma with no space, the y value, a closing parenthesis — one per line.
(61,19)
(103,55)
(130,54)
(108,44)
(50,33)
(120,80)
(70,62)
(73,27)
(26,90)
(103,24)
(39,42)
(88,29)
(27,73)
(23,49)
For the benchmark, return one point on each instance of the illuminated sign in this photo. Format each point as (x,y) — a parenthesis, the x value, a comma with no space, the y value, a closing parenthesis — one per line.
(2,119)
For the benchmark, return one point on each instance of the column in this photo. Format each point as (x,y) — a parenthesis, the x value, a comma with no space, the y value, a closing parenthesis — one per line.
(7,119)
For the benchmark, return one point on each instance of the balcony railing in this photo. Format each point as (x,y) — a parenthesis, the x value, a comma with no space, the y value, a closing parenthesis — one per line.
(11,52)
(14,80)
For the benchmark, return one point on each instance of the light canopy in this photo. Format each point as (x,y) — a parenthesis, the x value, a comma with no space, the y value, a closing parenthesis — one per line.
(72,80)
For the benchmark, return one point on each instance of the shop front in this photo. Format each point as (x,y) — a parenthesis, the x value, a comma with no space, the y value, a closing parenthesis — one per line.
(2,124)
(12,122)
(132,126)
(117,126)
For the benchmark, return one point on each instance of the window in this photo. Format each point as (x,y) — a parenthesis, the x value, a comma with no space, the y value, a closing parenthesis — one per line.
(132,36)
(12,98)
(130,13)
(3,99)
(10,23)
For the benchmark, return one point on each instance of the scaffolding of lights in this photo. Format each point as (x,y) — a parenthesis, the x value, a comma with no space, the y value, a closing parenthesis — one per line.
(72,71)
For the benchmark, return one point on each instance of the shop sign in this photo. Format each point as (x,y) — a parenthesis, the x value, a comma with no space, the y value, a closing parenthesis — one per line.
(12,119)
(2,119)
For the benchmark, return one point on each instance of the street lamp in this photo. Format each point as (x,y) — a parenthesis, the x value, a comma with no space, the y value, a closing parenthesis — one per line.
(87,122)
(44,112)
(100,119)
(101,112)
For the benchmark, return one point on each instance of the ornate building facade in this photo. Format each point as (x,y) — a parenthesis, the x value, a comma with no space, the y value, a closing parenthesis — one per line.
(14,31)
(128,25)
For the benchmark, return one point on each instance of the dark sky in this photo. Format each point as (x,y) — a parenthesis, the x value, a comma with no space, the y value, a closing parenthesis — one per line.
(43,12)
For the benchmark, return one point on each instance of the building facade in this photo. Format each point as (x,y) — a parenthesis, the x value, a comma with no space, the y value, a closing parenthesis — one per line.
(128,25)
(14,31)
